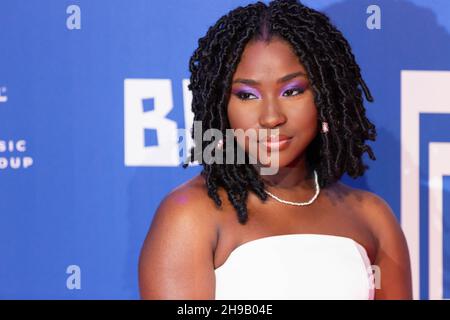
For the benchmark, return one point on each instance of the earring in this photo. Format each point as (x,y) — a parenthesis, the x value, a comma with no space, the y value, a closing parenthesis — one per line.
(220,144)
(325,127)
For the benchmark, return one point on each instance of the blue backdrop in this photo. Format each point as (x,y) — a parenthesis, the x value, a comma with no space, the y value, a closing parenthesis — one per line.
(82,169)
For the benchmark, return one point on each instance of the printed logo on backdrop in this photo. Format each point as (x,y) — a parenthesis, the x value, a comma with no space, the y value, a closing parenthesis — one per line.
(3,96)
(424,93)
(151,139)
(13,155)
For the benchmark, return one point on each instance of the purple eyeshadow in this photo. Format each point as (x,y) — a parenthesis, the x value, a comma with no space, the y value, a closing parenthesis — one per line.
(246,90)
(249,90)
(294,85)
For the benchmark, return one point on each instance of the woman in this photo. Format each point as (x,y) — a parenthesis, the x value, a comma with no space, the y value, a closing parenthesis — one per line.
(299,233)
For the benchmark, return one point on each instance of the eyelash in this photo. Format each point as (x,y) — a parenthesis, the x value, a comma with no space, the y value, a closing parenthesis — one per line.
(239,94)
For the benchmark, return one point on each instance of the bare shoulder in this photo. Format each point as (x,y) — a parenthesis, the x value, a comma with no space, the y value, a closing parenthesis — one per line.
(369,204)
(392,257)
(187,206)
(375,210)
(176,260)
(192,194)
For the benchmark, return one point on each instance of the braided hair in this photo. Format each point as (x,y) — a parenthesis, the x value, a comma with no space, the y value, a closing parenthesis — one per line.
(334,76)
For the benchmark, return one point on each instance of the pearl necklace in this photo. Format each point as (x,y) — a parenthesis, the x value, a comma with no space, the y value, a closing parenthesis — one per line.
(317,187)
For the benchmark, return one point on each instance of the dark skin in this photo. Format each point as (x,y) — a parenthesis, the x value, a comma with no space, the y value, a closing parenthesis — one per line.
(189,237)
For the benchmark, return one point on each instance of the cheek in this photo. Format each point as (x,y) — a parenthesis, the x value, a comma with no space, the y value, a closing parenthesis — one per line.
(239,117)
(305,117)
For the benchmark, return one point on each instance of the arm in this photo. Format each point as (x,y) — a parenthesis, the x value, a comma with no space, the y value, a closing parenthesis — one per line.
(392,257)
(176,260)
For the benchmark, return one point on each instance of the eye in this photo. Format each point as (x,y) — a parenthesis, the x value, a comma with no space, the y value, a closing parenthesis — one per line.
(300,90)
(243,95)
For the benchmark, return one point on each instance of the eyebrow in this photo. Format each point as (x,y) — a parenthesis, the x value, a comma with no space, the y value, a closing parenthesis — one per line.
(281,80)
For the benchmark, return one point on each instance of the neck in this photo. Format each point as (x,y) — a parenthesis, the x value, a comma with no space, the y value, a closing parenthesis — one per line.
(295,176)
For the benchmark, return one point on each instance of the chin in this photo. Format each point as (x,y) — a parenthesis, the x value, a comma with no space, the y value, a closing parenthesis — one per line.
(283,161)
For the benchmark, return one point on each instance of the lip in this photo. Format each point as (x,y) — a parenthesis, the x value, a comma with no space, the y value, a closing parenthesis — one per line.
(280,142)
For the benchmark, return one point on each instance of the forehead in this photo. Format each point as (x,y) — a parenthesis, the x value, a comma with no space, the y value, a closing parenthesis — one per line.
(273,58)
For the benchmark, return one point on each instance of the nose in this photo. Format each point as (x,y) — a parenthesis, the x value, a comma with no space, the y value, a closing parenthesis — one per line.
(272,116)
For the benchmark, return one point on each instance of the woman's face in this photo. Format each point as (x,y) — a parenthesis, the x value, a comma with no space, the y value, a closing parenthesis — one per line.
(263,96)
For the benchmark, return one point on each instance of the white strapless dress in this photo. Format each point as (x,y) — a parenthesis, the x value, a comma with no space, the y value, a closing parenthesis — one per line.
(295,267)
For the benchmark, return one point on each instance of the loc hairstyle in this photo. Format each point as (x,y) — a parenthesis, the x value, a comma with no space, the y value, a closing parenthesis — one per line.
(334,76)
